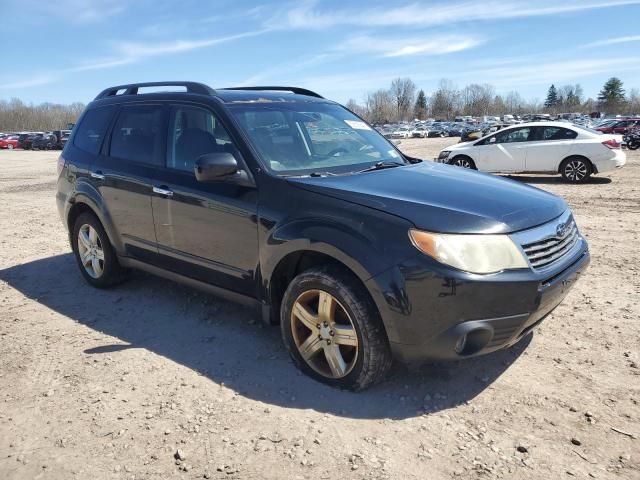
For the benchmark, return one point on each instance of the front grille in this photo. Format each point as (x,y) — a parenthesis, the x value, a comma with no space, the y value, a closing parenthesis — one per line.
(551,249)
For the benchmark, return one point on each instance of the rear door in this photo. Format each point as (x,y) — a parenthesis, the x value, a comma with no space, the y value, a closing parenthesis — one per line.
(551,145)
(206,231)
(123,175)
(505,151)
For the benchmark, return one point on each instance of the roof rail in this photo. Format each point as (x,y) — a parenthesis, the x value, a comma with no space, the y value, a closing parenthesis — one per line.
(296,90)
(132,88)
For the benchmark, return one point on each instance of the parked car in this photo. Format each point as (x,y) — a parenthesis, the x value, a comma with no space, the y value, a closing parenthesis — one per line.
(360,253)
(401,132)
(25,140)
(61,138)
(10,142)
(420,132)
(43,141)
(438,130)
(540,147)
(619,127)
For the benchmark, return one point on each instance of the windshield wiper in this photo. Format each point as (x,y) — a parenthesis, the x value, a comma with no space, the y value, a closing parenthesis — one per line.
(323,174)
(381,166)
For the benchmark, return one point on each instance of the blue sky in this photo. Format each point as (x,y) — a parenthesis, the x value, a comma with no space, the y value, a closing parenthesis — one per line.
(68,50)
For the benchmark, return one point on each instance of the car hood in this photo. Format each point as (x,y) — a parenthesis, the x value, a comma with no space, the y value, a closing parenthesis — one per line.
(443,198)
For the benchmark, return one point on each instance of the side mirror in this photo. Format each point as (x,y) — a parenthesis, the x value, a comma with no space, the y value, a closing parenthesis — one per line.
(492,140)
(213,167)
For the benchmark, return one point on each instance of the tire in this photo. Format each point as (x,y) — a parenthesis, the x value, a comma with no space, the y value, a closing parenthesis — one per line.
(102,269)
(576,169)
(633,145)
(10,146)
(355,359)
(463,161)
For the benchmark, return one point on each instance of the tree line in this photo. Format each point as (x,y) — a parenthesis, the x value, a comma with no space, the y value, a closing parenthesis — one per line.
(403,101)
(16,116)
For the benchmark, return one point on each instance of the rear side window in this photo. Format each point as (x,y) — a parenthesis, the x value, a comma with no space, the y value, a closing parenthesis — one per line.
(138,134)
(91,130)
(557,133)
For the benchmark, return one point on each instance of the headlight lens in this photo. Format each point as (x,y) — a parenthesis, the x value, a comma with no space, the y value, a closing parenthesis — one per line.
(444,154)
(471,253)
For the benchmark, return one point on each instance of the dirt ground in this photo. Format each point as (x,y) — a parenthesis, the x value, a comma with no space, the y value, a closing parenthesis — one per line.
(111,384)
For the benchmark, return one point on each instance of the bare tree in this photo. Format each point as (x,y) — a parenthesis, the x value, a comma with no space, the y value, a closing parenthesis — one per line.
(380,107)
(403,92)
(445,100)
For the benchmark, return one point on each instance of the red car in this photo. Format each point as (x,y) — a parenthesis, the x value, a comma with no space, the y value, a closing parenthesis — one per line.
(620,127)
(10,142)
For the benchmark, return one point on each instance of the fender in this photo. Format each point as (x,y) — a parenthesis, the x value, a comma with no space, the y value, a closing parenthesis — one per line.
(87,194)
(351,246)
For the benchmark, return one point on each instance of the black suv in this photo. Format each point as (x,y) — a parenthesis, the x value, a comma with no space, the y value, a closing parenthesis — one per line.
(276,197)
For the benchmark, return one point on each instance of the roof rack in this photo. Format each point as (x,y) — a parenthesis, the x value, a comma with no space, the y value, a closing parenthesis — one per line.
(296,90)
(132,88)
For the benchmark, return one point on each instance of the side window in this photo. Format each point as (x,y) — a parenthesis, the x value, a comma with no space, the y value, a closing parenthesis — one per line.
(193,132)
(138,134)
(514,135)
(557,133)
(91,130)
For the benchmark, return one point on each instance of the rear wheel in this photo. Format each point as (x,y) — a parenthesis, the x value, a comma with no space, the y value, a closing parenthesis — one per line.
(576,169)
(94,253)
(633,145)
(463,161)
(10,146)
(333,330)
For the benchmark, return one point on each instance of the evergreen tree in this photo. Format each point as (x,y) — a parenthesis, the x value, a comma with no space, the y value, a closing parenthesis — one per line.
(420,108)
(611,96)
(552,97)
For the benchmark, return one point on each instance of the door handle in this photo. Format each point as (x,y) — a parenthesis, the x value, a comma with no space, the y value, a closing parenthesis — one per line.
(98,175)
(163,191)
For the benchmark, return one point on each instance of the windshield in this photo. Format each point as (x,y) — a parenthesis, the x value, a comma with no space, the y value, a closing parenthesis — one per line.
(303,138)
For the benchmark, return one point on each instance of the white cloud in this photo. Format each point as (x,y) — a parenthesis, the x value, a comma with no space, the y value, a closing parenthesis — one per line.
(613,41)
(308,16)
(402,47)
(28,82)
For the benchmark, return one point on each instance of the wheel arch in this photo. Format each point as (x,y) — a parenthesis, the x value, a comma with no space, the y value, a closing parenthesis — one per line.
(87,199)
(568,157)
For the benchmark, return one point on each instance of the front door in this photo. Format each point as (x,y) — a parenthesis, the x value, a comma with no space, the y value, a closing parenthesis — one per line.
(505,151)
(205,231)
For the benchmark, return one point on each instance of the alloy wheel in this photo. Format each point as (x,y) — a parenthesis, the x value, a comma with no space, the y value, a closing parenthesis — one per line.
(90,251)
(462,162)
(324,334)
(576,170)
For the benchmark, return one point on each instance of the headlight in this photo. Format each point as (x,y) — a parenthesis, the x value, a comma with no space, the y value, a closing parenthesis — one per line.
(471,253)
(444,154)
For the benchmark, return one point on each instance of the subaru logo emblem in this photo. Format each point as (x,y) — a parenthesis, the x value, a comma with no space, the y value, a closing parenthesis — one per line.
(561,230)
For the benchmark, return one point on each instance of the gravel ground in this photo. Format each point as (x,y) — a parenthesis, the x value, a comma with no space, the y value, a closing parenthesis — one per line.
(151,380)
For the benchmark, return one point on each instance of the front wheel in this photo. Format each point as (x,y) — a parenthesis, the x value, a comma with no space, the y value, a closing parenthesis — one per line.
(576,169)
(633,145)
(463,161)
(333,330)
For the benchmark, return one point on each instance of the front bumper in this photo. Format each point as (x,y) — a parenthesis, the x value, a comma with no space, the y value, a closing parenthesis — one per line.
(432,313)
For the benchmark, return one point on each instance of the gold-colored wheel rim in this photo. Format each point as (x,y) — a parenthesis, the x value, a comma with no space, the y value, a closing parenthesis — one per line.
(324,334)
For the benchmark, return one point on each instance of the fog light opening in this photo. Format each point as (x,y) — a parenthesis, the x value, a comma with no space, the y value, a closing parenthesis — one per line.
(473,341)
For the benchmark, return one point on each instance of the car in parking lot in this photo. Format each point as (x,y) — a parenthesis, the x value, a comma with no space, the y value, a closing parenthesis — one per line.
(361,253)
(540,147)
(9,142)
(619,127)
(401,132)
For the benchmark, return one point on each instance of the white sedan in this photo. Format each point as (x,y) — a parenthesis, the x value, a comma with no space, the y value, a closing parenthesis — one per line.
(540,147)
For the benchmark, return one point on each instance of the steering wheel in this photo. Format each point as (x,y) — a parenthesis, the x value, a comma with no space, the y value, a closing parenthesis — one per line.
(336,151)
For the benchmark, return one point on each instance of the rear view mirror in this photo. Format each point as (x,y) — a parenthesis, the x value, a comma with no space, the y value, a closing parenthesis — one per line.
(220,167)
